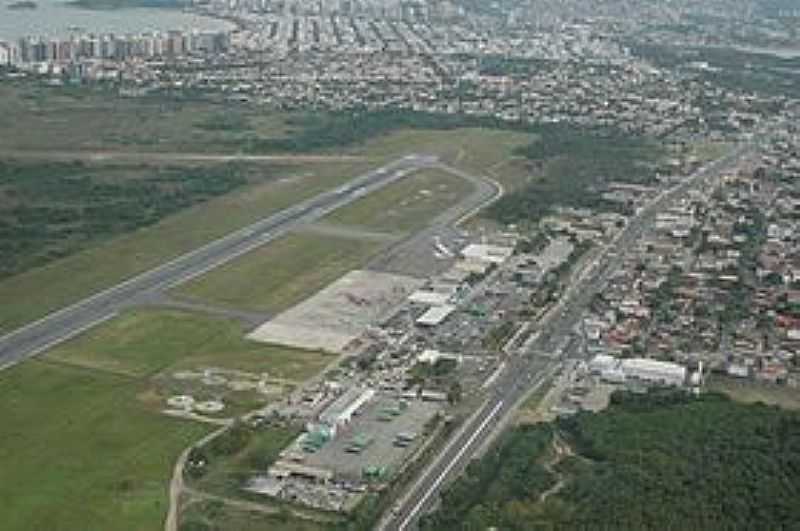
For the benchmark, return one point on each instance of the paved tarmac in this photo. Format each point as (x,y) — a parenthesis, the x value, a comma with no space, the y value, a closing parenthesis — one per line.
(64,324)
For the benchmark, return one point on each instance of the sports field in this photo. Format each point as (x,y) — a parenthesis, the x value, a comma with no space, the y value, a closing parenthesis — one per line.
(282,273)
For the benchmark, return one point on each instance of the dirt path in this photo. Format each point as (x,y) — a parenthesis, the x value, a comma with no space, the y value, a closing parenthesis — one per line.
(176,485)
(561,450)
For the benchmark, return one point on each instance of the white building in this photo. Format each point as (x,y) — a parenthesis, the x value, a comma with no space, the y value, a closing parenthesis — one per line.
(5,54)
(436,315)
(613,370)
(654,371)
(432,356)
(429,298)
(602,363)
(341,411)
(494,254)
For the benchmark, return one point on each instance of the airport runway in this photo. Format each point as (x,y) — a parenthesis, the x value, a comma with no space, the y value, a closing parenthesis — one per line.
(59,326)
(528,370)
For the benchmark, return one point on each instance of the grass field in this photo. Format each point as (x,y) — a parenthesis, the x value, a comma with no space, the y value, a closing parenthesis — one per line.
(280,274)
(78,451)
(225,471)
(215,516)
(407,205)
(749,392)
(33,117)
(108,122)
(142,343)
(472,149)
(80,428)
(39,291)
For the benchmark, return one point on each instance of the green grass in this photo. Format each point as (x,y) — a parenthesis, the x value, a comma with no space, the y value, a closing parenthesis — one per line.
(276,276)
(78,451)
(35,117)
(50,210)
(751,392)
(216,516)
(32,116)
(145,342)
(225,472)
(407,205)
(80,428)
(473,149)
(32,294)
(710,150)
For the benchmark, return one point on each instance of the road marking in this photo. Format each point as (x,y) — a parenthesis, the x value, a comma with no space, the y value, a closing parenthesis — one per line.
(450,466)
(489,381)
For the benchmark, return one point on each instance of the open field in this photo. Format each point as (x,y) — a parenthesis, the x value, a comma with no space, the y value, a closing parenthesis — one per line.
(145,342)
(274,277)
(473,149)
(710,150)
(406,205)
(749,392)
(239,453)
(79,451)
(216,516)
(33,116)
(64,281)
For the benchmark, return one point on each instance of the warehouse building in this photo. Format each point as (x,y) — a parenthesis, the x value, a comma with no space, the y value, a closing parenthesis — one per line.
(436,315)
(493,254)
(654,371)
(613,370)
(342,410)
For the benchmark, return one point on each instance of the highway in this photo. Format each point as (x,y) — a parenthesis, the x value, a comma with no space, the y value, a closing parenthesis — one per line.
(68,322)
(528,370)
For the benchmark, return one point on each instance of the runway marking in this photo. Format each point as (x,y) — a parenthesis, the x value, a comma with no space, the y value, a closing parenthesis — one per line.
(279,219)
(450,466)
(66,337)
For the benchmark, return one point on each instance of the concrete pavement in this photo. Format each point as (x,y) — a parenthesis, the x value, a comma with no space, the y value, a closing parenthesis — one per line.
(64,324)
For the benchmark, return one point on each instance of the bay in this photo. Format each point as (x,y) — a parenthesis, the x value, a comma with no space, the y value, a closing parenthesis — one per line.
(57,19)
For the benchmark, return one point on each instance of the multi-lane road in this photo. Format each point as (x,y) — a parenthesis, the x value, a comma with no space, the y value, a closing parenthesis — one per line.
(528,370)
(72,320)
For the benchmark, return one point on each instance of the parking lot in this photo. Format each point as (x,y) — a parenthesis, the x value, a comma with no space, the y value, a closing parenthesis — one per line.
(375,430)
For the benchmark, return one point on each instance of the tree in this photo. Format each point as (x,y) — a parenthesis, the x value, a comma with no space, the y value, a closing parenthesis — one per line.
(454,394)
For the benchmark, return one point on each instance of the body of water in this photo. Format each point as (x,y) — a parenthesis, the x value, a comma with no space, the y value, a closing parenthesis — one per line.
(55,18)
(782,53)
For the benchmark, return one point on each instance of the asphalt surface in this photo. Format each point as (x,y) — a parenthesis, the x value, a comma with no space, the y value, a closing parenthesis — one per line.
(545,355)
(72,320)
(412,255)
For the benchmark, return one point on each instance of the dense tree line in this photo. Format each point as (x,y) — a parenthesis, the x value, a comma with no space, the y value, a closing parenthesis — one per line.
(575,165)
(50,210)
(664,460)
